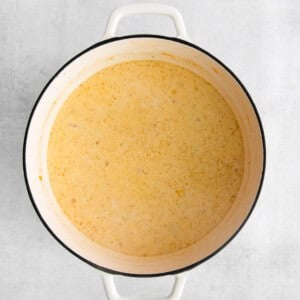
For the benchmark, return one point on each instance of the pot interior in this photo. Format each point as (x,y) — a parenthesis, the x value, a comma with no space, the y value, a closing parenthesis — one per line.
(114,52)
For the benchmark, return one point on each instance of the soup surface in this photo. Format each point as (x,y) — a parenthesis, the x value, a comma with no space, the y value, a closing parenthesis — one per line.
(145,158)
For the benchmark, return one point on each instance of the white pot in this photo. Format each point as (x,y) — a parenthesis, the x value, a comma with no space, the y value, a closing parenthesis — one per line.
(115,50)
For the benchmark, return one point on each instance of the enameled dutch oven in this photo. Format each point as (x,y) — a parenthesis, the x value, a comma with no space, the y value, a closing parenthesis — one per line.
(113,50)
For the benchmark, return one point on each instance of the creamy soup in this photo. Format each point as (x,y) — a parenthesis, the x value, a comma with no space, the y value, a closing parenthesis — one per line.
(145,158)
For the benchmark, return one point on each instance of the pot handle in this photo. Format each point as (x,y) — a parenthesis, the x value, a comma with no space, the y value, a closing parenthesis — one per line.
(145,8)
(112,293)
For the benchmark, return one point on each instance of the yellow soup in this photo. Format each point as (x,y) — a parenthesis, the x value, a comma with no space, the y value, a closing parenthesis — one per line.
(145,158)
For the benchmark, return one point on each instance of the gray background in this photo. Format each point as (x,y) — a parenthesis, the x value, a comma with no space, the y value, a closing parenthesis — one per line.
(259,41)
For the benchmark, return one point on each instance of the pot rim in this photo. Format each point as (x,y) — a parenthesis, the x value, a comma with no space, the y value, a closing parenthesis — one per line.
(174,39)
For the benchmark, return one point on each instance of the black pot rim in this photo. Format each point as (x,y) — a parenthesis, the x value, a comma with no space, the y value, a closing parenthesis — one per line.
(186,268)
